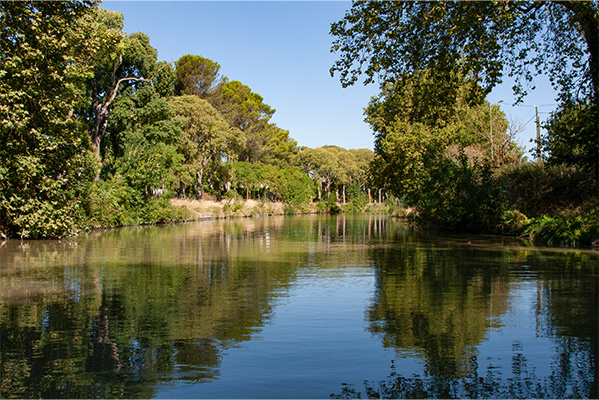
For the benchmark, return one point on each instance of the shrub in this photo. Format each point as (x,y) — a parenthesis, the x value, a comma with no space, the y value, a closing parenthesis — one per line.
(114,203)
(569,228)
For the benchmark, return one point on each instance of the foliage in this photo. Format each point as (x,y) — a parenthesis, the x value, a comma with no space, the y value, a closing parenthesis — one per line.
(115,203)
(146,133)
(569,228)
(292,186)
(206,140)
(386,40)
(572,137)
(244,110)
(537,189)
(450,102)
(357,197)
(196,75)
(435,42)
(334,168)
(120,62)
(45,167)
(288,184)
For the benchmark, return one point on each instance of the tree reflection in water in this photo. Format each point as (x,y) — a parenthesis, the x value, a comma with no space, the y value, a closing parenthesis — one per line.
(571,380)
(439,303)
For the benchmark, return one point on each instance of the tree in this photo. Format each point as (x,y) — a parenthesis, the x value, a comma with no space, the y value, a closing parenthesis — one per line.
(244,110)
(121,61)
(45,166)
(273,146)
(482,41)
(449,102)
(206,138)
(568,130)
(335,168)
(196,75)
(144,134)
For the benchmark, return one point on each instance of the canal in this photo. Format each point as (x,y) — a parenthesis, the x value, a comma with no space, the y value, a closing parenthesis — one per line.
(312,306)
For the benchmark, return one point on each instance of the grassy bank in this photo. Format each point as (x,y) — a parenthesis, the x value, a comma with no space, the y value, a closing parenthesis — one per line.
(208,209)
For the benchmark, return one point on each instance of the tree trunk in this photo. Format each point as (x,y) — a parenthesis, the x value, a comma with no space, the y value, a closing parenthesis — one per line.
(199,184)
(588,20)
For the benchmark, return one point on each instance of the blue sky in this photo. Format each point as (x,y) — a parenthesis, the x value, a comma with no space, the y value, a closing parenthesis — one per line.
(281,50)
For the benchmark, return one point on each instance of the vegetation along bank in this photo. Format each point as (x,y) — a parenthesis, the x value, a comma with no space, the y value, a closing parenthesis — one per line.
(96,132)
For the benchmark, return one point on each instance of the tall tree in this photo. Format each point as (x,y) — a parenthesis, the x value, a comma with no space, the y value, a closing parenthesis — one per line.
(206,139)
(45,166)
(482,40)
(244,110)
(196,75)
(144,134)
(121,61)
(485,39)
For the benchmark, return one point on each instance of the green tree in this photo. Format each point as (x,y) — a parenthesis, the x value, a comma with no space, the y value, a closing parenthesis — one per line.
(206,139)
(568,130)
(146,132)
(45,166)
(121,61)
(244,110)
(274,146)
(292,185)
(335,168)
(485,39)
(480,40)
(196,75)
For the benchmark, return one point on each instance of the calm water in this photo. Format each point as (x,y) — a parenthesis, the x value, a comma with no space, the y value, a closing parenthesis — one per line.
(296,307)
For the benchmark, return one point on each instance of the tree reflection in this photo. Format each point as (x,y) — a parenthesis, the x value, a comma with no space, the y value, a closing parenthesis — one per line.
(116,314)
(111,328)
(439,301)
(436,301)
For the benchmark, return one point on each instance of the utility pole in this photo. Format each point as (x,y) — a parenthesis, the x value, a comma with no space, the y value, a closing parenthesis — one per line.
(539,154)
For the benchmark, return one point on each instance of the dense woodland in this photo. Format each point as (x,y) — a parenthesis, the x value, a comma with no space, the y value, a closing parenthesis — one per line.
(96,132)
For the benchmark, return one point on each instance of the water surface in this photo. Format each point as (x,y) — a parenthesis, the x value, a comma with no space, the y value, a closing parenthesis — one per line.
(296,307)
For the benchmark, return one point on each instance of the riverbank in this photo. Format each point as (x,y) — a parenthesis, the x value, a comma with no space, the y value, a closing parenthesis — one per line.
(211,209)
(240,208)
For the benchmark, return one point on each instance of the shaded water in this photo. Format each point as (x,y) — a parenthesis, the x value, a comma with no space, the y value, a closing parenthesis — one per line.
(296,307)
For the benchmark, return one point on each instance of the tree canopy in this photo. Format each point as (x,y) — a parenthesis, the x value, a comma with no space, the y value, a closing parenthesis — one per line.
(484,40)
(196,75)
(420,47)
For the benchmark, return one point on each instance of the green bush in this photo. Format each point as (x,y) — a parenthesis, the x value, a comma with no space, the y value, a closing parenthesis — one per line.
(538,189)
(114,203)
(513,222)
(570,228)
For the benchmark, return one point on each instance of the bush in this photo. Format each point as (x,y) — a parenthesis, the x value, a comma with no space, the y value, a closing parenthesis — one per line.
(513,222)
(538,189)
(569,228)
(114,203)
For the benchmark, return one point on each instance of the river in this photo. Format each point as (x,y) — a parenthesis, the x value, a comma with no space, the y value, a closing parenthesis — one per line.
(313,306)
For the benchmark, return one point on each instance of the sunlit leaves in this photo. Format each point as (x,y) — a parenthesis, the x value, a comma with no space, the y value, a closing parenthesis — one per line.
(46,169)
